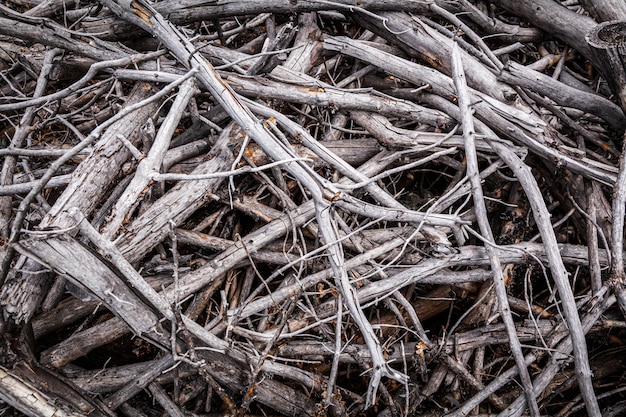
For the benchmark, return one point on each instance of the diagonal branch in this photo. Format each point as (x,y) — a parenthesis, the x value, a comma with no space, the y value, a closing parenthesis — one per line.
(145,16)
(483,222)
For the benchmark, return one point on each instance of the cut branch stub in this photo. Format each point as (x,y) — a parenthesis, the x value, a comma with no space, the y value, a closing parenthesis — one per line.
(608,44)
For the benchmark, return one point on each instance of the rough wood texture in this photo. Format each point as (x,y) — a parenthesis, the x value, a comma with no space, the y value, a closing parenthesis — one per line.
(310,208)
(608,44)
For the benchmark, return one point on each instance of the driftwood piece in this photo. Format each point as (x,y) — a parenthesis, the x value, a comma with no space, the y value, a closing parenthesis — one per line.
(387,208)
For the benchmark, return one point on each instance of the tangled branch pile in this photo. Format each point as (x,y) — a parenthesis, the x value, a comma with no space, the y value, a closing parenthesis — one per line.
(312,207)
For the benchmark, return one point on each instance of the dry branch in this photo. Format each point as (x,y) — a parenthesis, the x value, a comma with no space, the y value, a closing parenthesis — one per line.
(312,208)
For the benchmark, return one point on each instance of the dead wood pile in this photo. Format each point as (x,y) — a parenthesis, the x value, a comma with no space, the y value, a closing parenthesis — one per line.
(267,207)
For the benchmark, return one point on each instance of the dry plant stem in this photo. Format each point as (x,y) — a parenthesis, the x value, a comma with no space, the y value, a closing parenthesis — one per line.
(218,345)
(523,174)
(595,270)
(260,361)
(166,402)
(207,337)
(114,328)
(617,277)
(130,411)
(102,166)
(426,270)
(222,174)
(116,378)
(598,304)
(432,270)
(473,36)
(223,8)
(421,41)
(502,379)
(505,32)
(395,137)
(76,346)
(185,12)
(25,187)
(297,131)
(212,273)
(379,365)
(438,238)
(490,335)
(415,321)
(181,201)
(139,382)
(93,136)
(605,10)
(84,342)
(559,273)
(46,8)
(87,270)
(21,297)
(27,399)
(191,355)
(458,368)
(555,19)
(486,336)
(343,99)
(106,285)
(425,221)
(485,228)
(62,316)
(318,94)
(153,161)
(56,36)
(562,94)
(357,206)
(281,294)
(406,167)
(41,153)
(306,46)
(350,172)
(521,127)
(22,131)
(115,257)
(272,253)
(93,70)
(145,16)
(332,378)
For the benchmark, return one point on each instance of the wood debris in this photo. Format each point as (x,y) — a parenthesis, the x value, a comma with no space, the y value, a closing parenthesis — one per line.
(308,208)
